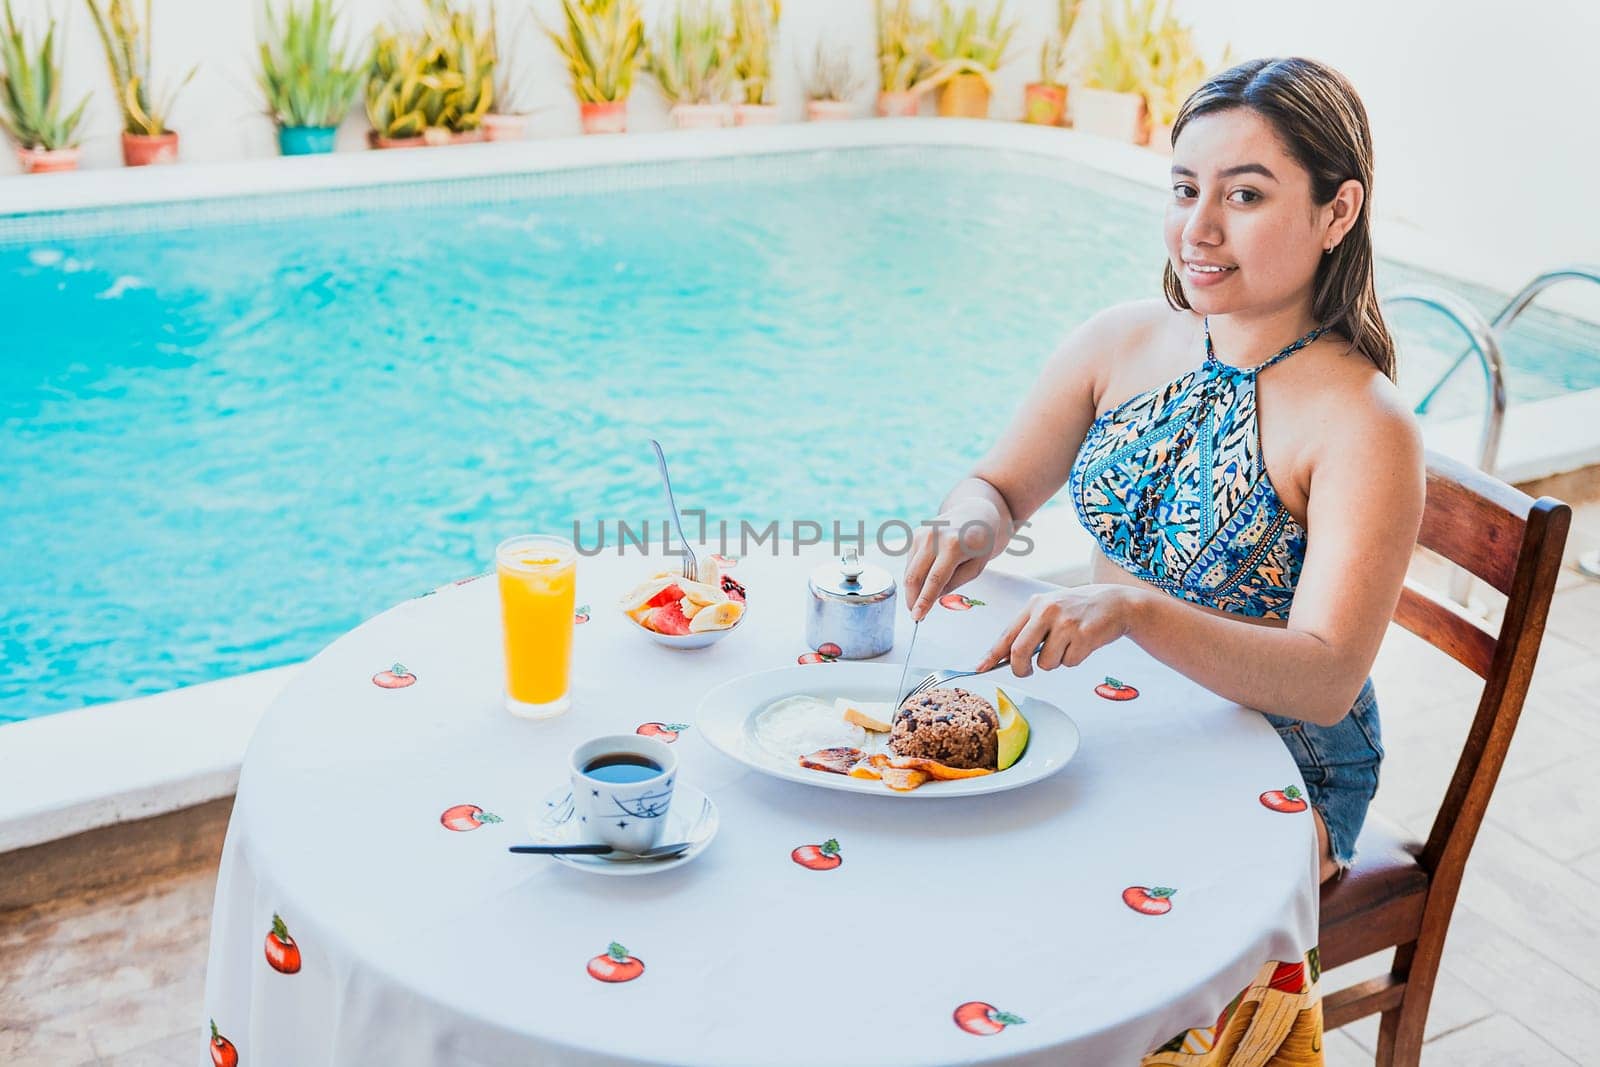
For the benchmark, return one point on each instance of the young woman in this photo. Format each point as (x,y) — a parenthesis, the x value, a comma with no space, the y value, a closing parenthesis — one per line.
(1239,452)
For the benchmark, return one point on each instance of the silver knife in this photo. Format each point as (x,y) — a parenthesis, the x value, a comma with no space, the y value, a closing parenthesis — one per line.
(901,688)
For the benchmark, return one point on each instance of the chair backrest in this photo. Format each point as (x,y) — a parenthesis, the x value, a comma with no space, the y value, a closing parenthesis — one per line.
(1514,543)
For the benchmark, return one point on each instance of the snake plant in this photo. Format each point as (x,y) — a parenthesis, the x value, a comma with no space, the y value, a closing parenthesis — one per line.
(689,56)
(602,42)
(966,42)
(30,89)
(127,45)
(831,77)
(307,78)
(1053,56)
(1122,53)
(905,41)
(754,22)
(439,78)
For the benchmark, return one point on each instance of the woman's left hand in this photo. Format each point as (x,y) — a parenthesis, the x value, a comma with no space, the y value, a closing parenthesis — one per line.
(1071,623)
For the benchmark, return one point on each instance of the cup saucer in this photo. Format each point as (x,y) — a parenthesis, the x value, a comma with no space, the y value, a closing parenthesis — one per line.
(693,818)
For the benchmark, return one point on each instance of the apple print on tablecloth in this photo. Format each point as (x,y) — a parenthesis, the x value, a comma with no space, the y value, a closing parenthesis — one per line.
(465,817)
(1112,689)
(976,1017)
(283,955)
(662,731)
(959,602)
(823,857)
(1288,800)
(580,616)
(615,965)
(1148,901)
(827,652)
(223,1054)
(396,677)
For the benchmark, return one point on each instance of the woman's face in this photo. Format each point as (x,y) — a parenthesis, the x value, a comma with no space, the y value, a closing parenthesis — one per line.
(1242,232)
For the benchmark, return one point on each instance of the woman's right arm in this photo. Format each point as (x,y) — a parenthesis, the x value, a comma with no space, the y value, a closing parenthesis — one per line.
(1026,466)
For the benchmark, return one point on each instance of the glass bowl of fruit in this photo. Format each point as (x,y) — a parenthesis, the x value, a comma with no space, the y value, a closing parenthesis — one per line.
(682,613)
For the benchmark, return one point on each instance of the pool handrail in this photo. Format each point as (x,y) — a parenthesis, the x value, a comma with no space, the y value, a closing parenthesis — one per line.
(1482,339)
(1508,314)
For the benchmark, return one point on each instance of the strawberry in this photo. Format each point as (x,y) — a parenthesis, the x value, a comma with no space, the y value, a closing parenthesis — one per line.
(668,619)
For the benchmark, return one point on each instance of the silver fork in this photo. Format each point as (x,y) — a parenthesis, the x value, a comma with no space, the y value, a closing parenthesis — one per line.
(937,678)
(691,566)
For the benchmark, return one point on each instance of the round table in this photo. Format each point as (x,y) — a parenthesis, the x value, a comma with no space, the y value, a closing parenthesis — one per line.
(1019,927)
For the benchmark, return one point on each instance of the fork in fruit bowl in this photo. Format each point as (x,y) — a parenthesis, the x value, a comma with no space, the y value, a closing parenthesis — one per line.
(691,566)
(937,678)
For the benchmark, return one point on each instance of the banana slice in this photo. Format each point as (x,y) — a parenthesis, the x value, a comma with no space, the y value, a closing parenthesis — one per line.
(710,573)
(635,598)
(701,593)
(716,616)
(689,608)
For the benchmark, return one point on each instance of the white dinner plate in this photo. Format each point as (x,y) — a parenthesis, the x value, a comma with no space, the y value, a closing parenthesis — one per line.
(692,818)
(726,719)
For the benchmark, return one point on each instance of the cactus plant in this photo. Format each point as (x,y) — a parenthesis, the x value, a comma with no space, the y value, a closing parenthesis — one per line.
(127,46)
(308,80)
(30,89)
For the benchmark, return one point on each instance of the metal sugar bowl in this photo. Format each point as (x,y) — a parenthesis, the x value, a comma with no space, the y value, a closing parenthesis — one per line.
(851,606)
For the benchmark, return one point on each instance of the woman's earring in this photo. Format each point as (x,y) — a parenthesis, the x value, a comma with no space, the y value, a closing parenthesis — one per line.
(1328,251)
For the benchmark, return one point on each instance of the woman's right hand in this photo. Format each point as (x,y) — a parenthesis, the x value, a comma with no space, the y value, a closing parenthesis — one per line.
(949,552)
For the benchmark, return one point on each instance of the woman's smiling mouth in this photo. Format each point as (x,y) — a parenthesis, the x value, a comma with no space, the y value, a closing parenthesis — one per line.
(1206,273)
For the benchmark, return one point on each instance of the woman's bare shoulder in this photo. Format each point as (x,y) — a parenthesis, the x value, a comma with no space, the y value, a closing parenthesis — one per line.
(1110,335)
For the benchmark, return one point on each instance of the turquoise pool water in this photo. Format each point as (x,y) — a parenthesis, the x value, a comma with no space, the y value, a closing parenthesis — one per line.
(224,444)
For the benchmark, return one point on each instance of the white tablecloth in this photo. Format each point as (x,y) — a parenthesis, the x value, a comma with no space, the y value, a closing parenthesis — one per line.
(423,945)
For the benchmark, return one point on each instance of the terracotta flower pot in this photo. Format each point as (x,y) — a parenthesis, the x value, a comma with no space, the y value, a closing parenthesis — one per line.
(505,127)
(140,150)
(47,160)
(699,116)
(376,140)
(1044,104)
(435,135)
(829,110)
(755,114)
(610,116)
(1118,116)
(899,105)
(964,96)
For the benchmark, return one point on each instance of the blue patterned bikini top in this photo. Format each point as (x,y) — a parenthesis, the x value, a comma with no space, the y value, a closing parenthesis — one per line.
(1172,485)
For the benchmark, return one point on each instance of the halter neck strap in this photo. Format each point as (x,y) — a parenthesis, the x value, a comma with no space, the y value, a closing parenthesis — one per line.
(1283,353)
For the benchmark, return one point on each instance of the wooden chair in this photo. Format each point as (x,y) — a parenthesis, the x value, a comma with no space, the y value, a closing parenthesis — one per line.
(1400,893)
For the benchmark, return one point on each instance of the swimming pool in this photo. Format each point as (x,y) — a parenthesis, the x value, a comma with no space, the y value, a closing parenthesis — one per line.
(226,442)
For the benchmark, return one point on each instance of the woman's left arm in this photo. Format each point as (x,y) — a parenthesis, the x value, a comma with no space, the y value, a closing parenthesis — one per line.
(1364,508)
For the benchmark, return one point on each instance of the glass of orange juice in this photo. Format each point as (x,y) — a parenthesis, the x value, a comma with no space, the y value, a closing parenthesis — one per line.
(538,587)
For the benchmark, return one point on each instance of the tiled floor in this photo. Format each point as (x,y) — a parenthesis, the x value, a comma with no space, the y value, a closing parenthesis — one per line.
(117,979)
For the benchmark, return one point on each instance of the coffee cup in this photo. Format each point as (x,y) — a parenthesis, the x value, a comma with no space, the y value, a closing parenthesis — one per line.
(622,789)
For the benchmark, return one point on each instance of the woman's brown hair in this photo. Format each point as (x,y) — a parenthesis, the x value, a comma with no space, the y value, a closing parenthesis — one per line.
(1321,121)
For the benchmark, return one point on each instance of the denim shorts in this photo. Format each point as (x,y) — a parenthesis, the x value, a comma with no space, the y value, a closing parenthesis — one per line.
(1340,766)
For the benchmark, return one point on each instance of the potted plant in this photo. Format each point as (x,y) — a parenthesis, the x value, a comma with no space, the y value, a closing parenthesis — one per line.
(145,137)
(689,59)
(754,22)
(968,49)
(603,45)
(432,86)
(905,63)
(1045,101)
(30,101)
(1174,69)
(829,86)
(505,121)
(309,82)
(1110,103)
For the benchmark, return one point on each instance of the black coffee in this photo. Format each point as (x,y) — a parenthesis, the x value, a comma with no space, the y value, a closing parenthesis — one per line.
(621,767)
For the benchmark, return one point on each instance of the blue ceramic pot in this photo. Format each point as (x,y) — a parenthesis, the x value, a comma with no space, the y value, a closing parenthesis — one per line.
(305,140)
